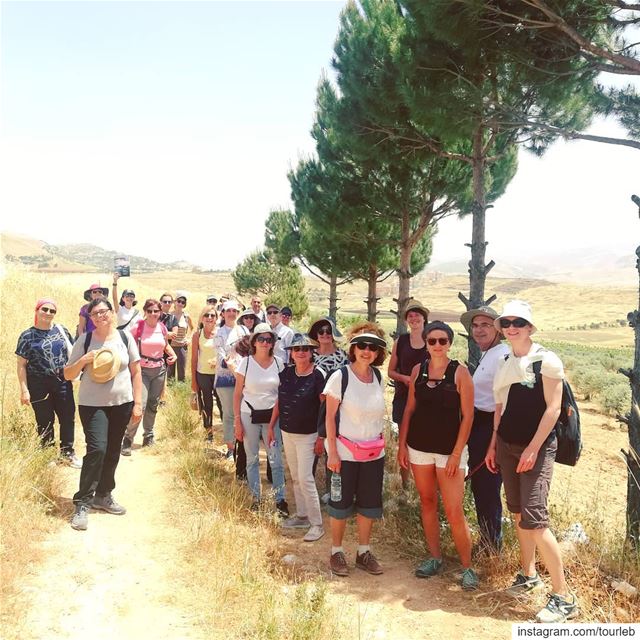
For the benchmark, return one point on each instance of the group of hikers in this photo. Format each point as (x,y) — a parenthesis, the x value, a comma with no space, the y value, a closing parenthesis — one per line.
(316,398)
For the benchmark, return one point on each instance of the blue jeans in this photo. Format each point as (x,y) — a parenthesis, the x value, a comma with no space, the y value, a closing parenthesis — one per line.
(253,433)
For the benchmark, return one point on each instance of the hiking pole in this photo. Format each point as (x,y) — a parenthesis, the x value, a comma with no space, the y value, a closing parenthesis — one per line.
(476,468)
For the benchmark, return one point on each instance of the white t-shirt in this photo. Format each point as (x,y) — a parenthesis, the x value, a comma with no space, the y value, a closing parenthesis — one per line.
(483,377)
(285,336)
(260,385)
(362,410)
(126,316)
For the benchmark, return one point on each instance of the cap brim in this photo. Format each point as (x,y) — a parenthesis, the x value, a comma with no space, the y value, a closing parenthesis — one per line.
(368,338)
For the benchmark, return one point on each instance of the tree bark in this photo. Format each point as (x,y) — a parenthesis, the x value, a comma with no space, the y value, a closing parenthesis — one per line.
(333,298)
(404,273)
(372,299)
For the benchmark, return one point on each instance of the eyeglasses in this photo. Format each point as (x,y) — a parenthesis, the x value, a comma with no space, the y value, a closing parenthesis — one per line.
(265,339)
(518,323)
(434,341)
(48,310)
(99,313)
(154,311)
(273,312)
(129,295)
(481,325)
(181,301)
(324,331)
(362,346)
(304,349)
(212,300)
(209,315)
(166,301)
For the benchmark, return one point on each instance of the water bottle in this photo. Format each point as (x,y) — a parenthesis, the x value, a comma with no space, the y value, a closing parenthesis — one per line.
(336,487)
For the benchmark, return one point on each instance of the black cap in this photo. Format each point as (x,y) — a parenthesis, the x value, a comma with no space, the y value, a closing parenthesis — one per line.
(286,311)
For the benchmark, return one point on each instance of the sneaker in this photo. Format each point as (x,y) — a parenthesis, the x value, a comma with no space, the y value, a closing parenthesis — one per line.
(70,458)
(148,441)
(296,523)
(283,508)
(255,506)
(107,503)
(315,533)
(470,580)
(126,447)
(229,455)
(558,609)
(338,564)
(80,518)
(429,568)
(325,498)
(524,584)
(367,562)
(209,437)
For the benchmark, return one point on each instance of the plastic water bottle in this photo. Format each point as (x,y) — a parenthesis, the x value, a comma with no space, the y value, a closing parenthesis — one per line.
(336,487)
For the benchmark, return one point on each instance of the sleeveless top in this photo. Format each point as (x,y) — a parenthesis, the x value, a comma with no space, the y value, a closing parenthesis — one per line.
(408,357)
(206,354)
(435,422)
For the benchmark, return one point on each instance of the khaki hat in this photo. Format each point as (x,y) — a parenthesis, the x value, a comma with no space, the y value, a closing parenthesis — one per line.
(105,366)
(302,340)
(263,327)
(415,305)
(467,317)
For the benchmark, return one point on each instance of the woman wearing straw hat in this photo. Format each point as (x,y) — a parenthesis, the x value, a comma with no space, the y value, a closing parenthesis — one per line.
(256,392)
(43,351)
(85,322)
(528,393)
(356,454)
(125,304)
(433,439)
(296,412)
(110,395)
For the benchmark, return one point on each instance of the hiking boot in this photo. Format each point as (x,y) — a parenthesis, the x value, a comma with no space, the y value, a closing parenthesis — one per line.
(524,584)
(283,508)
(558,609)
(70,458)
(107,503)
(80,518)
(429,568)
(229,455)
(338,564)
(126,447)
(148,441)
(296,522)
(315,533)
(367,562)
(470,580)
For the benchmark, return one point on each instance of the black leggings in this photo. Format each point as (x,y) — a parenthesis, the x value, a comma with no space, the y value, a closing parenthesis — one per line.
(205,397)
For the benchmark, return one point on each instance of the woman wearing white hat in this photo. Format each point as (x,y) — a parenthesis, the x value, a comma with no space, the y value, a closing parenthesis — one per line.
(528,392)
(110,394)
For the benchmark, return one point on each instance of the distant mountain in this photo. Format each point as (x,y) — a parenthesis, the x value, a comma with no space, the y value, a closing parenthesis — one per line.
(76,257)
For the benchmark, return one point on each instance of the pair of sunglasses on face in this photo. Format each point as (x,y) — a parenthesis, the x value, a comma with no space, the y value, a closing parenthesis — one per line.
(48,310)
(324,331)
(265,339)
(362,346)
(440,341)
(209,315)
(303,349)
(518,323)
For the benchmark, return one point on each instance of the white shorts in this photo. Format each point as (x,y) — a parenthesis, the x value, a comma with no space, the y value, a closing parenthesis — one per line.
(439,459)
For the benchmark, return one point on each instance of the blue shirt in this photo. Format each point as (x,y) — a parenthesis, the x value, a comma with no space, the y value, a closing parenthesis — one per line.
(45,350)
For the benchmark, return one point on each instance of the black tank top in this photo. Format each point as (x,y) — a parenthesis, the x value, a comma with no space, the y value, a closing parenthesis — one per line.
(408,357)
(435,422)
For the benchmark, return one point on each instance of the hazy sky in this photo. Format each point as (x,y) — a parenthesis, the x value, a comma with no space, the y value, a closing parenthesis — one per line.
(166,129)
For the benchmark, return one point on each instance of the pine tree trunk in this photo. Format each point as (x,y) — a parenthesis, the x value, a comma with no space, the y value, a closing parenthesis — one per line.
(333,298)
(372,300)
(404,274)
(633,422)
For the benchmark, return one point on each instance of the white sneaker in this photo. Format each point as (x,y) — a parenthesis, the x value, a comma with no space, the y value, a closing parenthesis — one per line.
(315,533)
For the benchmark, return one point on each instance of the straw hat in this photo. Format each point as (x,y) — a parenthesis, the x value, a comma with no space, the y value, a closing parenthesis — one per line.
(105,366)
(263,327)
(415,305)
(467,317)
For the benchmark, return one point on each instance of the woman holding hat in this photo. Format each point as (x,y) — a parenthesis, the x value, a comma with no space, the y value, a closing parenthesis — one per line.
(528,393)
(182,334)
(296,412)
(85,322)
(43,351)
(124,304)
(356,454)
(433,439)
(151,336)
(110,395)
(256,392)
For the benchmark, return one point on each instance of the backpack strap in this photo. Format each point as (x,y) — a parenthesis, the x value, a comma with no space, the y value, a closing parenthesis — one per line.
(450,372)
(344,381)
(87,341)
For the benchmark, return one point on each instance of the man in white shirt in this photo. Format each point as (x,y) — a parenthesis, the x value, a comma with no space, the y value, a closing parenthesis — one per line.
(285,335)
(484,484)
(256,305)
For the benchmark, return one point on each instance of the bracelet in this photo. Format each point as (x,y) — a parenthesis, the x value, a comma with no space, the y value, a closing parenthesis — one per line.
(115,284)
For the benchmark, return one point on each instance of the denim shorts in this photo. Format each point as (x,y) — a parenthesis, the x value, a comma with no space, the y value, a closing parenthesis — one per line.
(527,493)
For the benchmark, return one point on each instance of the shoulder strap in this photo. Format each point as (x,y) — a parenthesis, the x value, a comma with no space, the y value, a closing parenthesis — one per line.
(344,372)
(87,341)
(123,337)
(450,373)
(377,374)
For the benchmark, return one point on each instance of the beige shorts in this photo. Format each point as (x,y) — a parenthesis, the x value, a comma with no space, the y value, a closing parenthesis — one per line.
(439,459)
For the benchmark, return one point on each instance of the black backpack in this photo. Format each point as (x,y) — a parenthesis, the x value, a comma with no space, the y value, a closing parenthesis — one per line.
(322,412)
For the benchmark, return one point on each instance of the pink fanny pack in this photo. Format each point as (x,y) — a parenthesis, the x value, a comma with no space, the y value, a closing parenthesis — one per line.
(364,450)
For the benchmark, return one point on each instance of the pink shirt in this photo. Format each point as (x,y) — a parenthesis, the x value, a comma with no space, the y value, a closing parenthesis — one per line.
(152,343)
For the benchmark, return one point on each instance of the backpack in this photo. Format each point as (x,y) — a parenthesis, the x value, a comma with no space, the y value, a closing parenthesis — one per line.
(136,333)
(322,412)
(567,427)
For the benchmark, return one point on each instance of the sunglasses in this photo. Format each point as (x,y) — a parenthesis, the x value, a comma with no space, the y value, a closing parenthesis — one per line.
(433,341)
(301,349)
(362,346)
(265,339)
(324,331)
(273,312)
(100,313)
(518,323)
(48,310)
(166,301)
(209,315)
(181,301)
(154,311)
(96,291)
